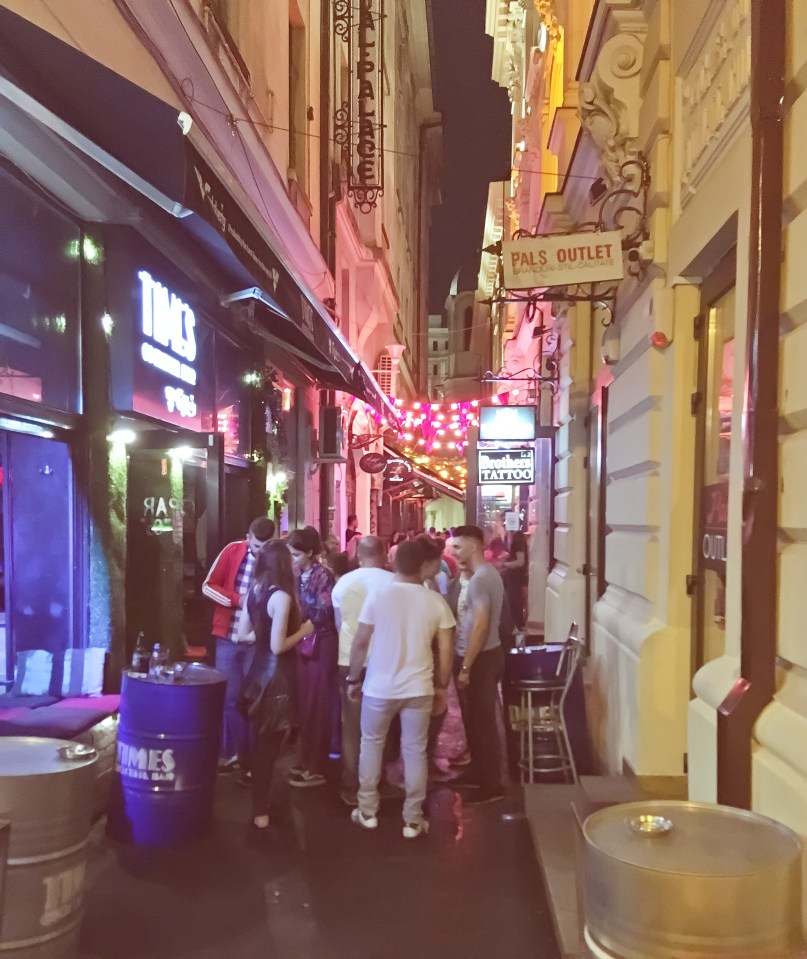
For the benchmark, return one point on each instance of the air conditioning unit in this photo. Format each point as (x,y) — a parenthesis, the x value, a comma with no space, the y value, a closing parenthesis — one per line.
(330,435)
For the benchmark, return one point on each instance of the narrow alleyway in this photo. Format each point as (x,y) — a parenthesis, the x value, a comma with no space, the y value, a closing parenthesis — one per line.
(317,887)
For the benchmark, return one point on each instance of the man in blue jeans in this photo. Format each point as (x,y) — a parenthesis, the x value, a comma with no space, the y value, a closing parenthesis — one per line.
(227,584)
(404,621)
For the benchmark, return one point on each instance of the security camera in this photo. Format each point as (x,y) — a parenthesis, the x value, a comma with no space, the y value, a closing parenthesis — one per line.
(634,255)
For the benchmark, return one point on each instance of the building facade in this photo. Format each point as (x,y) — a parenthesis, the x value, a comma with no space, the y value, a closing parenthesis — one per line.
(678,410)
(381,244)
(165,173)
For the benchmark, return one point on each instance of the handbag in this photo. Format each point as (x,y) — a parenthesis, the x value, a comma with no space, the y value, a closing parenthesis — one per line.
(308,646)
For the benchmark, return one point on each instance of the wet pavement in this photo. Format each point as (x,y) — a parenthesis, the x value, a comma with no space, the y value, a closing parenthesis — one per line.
(318,887)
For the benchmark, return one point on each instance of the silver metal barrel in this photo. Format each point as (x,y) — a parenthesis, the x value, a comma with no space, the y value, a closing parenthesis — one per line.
(667,880)
(46,792)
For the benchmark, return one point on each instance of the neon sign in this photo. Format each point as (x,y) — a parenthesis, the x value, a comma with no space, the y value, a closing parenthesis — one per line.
(168,329)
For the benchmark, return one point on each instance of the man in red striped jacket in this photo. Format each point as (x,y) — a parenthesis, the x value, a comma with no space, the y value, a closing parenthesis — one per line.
(227,584)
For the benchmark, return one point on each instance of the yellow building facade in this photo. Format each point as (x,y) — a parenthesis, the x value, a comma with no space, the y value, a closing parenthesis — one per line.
(647,105)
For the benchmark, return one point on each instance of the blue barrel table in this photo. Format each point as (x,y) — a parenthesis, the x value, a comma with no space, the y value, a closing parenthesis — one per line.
(168,747)
(46,796)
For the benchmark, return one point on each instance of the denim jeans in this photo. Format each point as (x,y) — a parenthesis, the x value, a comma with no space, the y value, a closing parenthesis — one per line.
(376,718)
(351,736)
(233,661)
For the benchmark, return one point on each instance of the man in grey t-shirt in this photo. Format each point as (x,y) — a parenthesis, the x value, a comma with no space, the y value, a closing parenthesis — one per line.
(479,664)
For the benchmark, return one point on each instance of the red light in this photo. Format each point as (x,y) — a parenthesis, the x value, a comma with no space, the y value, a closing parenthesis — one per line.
(659,340)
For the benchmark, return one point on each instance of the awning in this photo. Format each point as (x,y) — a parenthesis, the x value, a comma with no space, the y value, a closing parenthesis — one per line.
(426,476)
(137,137)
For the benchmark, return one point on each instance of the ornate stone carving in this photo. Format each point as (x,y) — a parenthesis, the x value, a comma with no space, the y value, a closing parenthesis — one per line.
(609,102)
(515,52)
(713,101)
(549,18)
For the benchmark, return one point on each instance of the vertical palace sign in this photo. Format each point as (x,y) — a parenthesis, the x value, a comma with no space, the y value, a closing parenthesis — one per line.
(359,121)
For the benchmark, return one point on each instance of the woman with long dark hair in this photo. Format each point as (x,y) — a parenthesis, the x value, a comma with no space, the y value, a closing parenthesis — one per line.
(316,658)
(269,696)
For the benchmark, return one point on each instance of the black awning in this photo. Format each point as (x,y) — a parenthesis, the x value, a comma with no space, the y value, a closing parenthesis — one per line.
(137,136)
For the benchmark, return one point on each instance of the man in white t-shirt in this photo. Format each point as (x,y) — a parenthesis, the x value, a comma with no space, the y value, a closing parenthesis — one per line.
(403,620)
(349,595)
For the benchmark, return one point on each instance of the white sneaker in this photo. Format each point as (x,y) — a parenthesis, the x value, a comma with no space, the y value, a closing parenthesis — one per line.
(366,822)
(412,830)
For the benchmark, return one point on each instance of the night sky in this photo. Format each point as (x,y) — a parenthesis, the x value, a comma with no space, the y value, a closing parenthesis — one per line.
(477,124)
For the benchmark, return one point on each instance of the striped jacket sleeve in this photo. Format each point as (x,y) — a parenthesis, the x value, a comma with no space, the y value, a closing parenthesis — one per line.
(215,586)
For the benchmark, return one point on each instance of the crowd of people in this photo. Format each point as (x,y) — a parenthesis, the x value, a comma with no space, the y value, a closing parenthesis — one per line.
(356,652)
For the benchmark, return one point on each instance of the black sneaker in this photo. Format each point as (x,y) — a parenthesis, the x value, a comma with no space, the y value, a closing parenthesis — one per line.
(481,798)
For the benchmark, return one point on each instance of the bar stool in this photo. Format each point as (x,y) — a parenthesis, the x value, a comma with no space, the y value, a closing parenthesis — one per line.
(544,746)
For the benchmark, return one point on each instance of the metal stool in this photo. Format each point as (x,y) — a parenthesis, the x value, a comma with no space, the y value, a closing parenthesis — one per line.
(544,746)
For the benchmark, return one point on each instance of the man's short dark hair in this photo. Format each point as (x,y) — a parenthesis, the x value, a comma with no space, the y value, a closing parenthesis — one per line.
(262,528)
(472,532)
(306,540)
(431,551)
(409,557)
(352,517)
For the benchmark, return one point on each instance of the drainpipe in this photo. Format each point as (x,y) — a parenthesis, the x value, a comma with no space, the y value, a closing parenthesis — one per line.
(740,710)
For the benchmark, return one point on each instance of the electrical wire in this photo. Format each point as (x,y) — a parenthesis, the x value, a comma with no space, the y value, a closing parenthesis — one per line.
(272,127)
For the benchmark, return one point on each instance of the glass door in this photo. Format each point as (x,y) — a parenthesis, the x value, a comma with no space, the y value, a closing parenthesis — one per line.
(714,403)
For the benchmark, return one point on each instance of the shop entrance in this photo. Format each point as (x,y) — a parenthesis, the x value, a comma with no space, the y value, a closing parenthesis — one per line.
(176,524)
(38,545)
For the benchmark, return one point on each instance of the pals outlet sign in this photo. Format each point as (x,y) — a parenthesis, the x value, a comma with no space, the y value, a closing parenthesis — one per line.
(542,261)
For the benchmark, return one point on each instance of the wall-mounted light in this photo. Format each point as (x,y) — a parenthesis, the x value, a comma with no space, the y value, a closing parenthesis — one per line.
(107,324)
(122,436)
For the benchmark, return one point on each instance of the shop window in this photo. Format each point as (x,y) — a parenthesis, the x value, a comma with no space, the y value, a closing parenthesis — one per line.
(234,376)
(40,261)
(716,330)
(38,579)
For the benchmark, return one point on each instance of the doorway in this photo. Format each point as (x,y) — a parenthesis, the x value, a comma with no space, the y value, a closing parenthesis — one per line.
(713,403)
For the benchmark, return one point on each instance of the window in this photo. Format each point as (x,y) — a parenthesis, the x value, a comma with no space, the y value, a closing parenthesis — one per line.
(298,98)
(383,372)
(435,369)
(39,297)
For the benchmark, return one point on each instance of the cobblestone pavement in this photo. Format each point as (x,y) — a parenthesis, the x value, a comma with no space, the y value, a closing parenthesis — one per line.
(317,887)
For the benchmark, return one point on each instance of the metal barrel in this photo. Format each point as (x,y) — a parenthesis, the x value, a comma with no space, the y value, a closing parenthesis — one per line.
(167,760)
(670,879)
(46,792)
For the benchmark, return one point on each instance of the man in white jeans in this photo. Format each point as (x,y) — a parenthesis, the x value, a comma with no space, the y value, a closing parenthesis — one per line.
(404,621)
